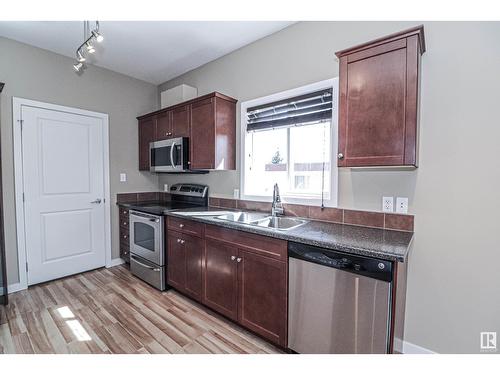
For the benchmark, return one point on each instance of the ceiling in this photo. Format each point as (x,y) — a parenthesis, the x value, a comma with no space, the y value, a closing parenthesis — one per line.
(153,51)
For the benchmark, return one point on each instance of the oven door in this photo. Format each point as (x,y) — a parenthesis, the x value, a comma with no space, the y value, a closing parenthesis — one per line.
(169,155)
(146,237)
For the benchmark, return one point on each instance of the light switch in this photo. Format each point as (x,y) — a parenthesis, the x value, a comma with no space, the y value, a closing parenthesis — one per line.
(236,193)
(123,177)
(165,187)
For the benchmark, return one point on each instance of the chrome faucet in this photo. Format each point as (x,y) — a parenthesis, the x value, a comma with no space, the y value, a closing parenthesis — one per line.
(277,207)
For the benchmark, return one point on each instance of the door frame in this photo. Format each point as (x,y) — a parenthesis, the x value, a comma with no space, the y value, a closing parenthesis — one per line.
(17,104)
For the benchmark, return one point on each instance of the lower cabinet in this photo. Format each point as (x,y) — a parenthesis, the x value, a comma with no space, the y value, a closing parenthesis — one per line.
(184,254)
(242,276)
(220,290)
(124,233)
(263,296)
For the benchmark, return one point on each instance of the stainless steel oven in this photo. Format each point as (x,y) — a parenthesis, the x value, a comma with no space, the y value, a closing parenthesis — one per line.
(170,155)
(147,251)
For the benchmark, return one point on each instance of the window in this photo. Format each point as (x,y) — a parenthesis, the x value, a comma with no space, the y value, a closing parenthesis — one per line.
(289,139)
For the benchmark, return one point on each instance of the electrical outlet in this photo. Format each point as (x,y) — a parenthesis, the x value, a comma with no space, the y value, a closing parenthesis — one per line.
(236,193)
(123,177)
(165,187)
(402,205)
(388,204)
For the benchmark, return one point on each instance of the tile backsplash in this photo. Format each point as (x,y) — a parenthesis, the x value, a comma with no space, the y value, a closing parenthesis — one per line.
(334,215)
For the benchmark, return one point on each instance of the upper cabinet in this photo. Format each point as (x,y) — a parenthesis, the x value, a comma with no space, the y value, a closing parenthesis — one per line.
(379,101)
(208,121)
(147,134)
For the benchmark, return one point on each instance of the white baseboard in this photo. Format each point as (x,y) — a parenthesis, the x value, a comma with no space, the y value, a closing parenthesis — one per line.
(115,262)
(410,348)
(12,288)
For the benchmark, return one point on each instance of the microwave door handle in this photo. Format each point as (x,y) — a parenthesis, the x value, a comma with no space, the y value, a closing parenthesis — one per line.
(172,147)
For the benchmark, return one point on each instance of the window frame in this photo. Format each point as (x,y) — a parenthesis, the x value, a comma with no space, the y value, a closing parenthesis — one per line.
(329,83)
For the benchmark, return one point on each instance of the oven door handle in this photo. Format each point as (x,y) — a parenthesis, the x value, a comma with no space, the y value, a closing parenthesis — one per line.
(145,216)
(172,148)
(155,269)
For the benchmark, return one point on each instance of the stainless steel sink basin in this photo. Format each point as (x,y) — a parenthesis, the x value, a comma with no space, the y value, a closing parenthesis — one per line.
(263,220)
(279,222)
(242,217)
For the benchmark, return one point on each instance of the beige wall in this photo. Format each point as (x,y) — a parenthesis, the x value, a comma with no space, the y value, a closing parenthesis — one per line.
(453,286)
(37,74)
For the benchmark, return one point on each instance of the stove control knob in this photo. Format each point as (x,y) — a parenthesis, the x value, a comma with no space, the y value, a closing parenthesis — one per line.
(381,266)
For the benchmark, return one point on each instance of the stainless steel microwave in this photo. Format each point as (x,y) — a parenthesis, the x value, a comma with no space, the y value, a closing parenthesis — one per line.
(170,155)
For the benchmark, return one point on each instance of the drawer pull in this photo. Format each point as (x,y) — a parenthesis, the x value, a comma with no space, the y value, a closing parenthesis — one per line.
(181,225)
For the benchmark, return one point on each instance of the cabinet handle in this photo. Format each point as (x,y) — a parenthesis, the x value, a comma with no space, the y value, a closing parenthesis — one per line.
(125,236)
(124,212)
(178,240)
(183,242)
(340,156)
(181,225)
(125,223)
(239,260)
(233,257)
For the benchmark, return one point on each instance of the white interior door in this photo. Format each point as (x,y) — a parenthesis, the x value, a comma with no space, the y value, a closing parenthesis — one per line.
(63,180)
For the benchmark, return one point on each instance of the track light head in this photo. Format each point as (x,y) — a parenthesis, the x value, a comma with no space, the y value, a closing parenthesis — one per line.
(80,56)
(78,66)
(98,37)
(90,47)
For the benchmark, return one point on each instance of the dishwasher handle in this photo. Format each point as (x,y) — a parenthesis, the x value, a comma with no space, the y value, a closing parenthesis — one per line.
(371,267)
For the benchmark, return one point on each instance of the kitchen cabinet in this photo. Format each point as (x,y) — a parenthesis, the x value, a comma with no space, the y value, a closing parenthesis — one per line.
(184,254)
(220,291)
(181,118)
(379,101)
(246,278)
(163,126)
(124,234)
(243,276)
(147,134)
(263,295)
(208,121)
(213,133)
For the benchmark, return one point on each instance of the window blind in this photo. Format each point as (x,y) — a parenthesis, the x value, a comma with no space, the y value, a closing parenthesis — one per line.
(303,109)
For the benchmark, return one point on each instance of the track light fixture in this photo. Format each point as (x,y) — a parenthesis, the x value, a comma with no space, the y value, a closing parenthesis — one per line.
(87,47)
(78,66)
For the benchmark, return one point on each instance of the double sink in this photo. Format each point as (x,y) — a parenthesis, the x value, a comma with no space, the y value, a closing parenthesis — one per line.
(263,220)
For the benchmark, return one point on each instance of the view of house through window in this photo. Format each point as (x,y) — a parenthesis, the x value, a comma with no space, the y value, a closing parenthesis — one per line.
(280,148)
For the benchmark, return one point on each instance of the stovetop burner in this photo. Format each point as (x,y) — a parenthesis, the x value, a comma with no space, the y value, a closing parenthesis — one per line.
(182,196)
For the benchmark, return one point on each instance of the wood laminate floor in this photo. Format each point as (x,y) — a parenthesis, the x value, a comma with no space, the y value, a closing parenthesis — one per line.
(111,311)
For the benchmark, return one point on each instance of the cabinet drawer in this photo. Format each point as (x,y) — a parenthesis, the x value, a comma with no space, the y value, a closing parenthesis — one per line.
(262,245)
(185,226)
(124,236)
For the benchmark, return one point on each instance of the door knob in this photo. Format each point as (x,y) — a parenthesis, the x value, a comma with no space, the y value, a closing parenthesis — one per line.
(97,201)
(340,156)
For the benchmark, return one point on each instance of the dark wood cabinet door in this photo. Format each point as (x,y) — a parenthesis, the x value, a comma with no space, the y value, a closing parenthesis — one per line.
(147,134)
(180,121)
(378,107)
(164,126)
(176,262)
(194,256)
(263,296)
(220,278)
(202,140)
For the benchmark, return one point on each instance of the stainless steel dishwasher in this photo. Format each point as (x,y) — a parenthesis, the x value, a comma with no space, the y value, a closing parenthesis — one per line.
(337,303)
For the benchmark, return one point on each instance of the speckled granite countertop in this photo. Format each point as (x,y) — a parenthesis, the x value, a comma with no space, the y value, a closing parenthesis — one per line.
(373,242)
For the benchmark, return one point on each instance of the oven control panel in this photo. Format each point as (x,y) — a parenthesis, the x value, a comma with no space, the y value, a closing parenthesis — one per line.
(192,190)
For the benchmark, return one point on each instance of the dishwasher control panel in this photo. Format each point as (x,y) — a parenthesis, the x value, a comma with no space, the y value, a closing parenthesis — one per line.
(370,267)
